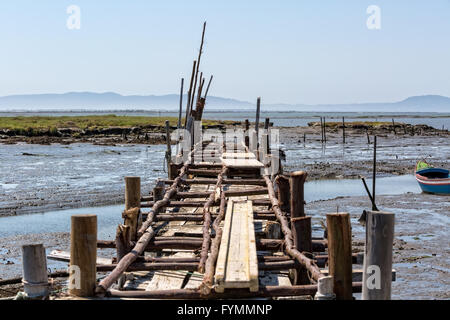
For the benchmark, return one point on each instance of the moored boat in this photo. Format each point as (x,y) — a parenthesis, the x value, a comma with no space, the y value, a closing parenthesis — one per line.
(432,180)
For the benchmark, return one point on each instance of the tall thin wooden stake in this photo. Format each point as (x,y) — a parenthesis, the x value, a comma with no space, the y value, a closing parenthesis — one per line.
(83,255)
(247,137)
(169,148)
(374,175)
(258,111)
(188,106)
(340,254)
(321,130)
(343,130)
(377,272)
(35,279)
(198,63)
(181,104)
(207,88)
(324,130)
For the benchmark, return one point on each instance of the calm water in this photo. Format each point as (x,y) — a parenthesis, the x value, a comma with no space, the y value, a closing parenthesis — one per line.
(110,216)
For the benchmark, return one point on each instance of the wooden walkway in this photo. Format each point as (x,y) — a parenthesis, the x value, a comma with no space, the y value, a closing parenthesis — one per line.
(205,237)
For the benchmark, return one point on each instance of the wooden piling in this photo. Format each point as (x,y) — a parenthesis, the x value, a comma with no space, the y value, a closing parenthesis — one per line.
(247,137)
(297,202)
(340,254)
(131,214)
(324,130)
(393,126)
(83,255)
(374,174)
(181,104)
(321,130)
(169,149)
(283,193)
(35,279)
(258,111)
(132,192)
(343,130)
(302,234)
(377,272)
(159,190)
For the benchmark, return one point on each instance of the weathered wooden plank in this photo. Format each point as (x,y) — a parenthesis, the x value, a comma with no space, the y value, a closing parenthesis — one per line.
(242,163)
(65,257)
(237,265)
(238,155)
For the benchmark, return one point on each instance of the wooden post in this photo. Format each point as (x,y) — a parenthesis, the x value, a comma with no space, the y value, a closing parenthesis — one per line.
(181,104)
(301,232)
(324,130)
(343,130)
(393,126)
(258,111)
(300,225)
(132,192)
(321,130)
(83,255)
(267,123)
(297,202)
(266,138)
(377,276)
(35,279)
(159,190)
(247,137)
(132,201)
(340,254)
(188,106)
(169,149)
(368,137)
(374,175)
(283,193)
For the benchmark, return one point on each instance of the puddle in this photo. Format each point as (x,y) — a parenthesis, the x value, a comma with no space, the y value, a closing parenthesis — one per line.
(59,221)
(330,189)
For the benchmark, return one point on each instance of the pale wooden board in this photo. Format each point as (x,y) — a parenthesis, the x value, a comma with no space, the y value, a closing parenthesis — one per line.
(237,265)
(65,256)
(242,163)
(238,155)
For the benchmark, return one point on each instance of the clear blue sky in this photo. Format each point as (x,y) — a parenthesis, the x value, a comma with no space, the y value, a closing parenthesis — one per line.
(287,51)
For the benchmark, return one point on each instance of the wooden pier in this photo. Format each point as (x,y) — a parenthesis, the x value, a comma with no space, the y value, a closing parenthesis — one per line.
(226,223)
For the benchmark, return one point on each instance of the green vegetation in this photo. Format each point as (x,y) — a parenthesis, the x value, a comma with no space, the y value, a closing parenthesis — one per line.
(38,123)
(360,123)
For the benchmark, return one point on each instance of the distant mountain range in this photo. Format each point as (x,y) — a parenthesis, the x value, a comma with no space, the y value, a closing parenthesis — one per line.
(113,101)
